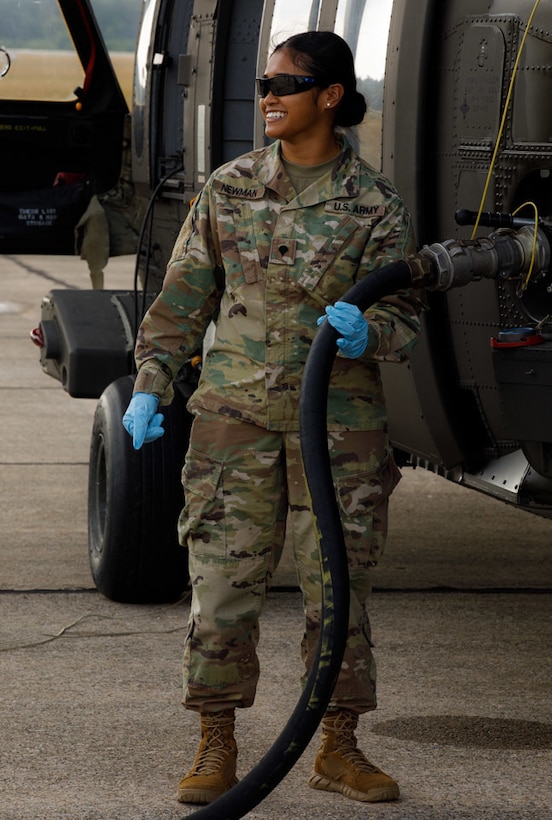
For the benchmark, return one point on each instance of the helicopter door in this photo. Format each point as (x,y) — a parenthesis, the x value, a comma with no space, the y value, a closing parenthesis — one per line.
(61,122)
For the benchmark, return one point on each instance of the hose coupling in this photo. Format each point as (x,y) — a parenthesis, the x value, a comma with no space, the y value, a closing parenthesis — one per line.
(501,255)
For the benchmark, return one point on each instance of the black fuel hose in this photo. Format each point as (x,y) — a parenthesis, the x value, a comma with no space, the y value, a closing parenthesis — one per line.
(305,718)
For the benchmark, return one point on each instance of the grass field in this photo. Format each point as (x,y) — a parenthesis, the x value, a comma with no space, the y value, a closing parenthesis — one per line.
(370,138)
(53,75)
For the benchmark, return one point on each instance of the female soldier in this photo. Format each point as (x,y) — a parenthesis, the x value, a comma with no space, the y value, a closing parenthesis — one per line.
(273,240)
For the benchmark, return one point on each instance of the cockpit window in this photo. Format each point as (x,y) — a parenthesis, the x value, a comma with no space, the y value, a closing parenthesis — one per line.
(37,58)
(365,26)
(118,23)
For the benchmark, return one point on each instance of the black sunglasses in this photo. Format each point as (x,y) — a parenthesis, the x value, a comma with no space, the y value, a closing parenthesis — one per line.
(284,84)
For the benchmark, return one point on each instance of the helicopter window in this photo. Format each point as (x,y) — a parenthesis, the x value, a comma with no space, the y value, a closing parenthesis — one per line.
(365,26)
(292,17)
(119,27)
(37,57)
(141,75)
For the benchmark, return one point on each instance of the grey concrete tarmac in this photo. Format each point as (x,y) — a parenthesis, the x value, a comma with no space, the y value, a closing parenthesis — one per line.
(90,719)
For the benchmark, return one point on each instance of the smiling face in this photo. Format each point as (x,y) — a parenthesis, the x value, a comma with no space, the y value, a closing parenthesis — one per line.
(303,121)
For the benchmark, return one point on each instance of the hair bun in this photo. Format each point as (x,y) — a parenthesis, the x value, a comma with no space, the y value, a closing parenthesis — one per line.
(352,110)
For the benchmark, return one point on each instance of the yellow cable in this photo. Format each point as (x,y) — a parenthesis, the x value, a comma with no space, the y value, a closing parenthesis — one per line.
(535,239)
(503,120)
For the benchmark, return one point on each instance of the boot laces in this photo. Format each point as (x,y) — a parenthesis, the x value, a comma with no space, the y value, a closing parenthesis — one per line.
(343,727)
(211,759)
(356,758)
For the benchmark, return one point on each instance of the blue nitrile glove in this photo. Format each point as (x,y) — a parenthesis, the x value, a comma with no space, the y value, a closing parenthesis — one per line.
(348,320)
(141,421)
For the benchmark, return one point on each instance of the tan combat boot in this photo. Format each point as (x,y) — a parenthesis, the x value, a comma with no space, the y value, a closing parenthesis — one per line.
(214,769)
(341,767)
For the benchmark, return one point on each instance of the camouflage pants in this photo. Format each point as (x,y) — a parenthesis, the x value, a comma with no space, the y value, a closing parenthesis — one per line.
(243,484)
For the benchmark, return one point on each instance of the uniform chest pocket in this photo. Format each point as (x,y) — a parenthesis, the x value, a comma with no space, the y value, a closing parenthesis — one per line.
(337,251)
(239,246)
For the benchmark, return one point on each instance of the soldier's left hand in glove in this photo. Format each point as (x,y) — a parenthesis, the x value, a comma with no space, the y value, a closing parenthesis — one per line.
(348,320)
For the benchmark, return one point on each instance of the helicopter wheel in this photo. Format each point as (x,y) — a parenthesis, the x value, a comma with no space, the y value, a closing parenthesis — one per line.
(134,500)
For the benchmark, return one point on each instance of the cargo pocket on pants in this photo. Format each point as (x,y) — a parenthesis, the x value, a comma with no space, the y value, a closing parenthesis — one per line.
(201,522)
(363,501)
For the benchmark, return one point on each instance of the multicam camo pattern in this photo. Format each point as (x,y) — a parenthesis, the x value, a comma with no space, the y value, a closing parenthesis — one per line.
(240,480)
(266,262)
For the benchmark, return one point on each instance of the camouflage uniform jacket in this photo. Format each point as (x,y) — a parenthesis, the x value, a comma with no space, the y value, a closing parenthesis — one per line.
(264,262)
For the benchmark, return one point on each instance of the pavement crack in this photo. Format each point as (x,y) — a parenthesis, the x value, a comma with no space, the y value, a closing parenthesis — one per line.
(39,272)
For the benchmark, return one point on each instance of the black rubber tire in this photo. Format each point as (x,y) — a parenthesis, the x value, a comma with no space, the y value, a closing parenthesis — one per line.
(134,500)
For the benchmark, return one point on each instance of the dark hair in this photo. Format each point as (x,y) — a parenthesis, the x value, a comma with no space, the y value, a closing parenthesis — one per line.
(326,56)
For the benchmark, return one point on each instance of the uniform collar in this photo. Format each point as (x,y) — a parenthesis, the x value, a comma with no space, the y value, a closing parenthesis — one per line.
(343,182)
